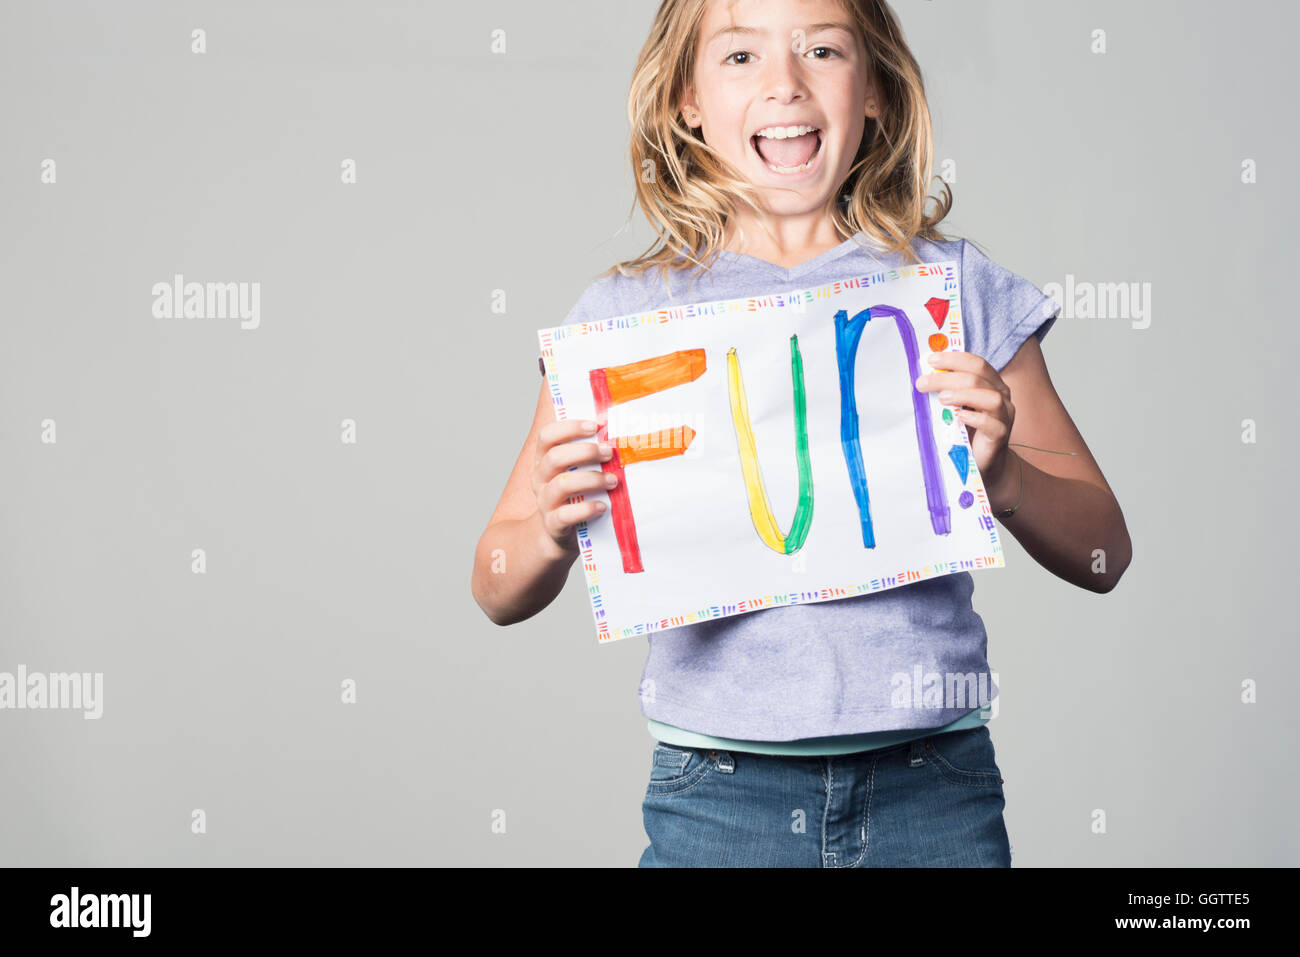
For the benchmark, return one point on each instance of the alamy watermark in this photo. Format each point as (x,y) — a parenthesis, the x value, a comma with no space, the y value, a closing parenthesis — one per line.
(179,299)
(946,691)
(76,909)
(60,690)
(1102,300)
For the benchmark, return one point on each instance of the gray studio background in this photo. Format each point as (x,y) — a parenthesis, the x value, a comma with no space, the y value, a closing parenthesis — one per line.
(479,172)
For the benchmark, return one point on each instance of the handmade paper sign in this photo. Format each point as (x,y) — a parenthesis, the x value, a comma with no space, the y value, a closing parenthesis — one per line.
(772,450)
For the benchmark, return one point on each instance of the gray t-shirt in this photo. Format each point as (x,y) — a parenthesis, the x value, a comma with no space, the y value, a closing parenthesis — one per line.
(826,668)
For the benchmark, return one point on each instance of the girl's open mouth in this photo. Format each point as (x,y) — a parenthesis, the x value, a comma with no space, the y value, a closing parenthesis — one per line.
(788,149)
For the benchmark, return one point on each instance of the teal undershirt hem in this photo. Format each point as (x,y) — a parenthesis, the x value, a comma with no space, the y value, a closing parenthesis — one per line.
(834,744)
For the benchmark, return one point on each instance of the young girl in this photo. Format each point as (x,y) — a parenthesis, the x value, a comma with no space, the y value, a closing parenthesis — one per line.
(778,145)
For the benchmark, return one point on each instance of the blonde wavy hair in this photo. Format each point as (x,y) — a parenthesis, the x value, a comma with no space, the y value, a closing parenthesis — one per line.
(693,190)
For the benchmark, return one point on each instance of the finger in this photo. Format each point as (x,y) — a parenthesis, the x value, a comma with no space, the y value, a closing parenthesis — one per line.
(562,457)
(577,482)
(993,404)
(959,361)
(984,400)
(983,422)
(968,363)
(567,516)
(948,359)
(563,430)
(935,381)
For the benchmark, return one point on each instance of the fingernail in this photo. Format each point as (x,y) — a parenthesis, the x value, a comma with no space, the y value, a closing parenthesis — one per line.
(611,480)
(605,450)
(921,381)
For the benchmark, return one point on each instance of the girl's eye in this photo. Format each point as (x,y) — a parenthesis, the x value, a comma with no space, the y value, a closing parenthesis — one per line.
(737,53)
(830,50)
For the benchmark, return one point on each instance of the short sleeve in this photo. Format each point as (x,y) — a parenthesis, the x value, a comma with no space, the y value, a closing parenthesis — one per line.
(1000,310)
(598,301)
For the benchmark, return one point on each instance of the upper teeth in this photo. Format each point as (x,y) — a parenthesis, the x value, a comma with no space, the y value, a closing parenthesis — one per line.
(784,132)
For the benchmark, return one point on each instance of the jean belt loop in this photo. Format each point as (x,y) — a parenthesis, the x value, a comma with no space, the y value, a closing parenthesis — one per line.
(723,761)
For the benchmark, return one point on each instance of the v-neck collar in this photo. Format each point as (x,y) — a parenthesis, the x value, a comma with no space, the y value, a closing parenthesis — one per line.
(793,272)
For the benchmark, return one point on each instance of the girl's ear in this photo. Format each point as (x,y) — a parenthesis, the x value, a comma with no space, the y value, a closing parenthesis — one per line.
(872,107)
(690,112)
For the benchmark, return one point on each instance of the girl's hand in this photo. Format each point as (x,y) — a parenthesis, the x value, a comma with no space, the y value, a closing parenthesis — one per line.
(553,483)
(982,401)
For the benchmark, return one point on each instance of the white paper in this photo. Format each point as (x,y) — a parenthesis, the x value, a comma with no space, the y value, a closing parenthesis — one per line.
(701,553)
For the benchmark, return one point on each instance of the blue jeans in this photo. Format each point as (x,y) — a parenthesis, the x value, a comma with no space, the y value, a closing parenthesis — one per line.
(932,802)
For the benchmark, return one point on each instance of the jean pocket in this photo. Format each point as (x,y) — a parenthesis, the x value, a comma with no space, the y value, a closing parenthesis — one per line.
(676,768)
(965,757)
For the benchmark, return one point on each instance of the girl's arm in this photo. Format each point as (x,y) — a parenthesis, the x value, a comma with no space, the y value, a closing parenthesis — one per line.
(1068,518)
(523,556)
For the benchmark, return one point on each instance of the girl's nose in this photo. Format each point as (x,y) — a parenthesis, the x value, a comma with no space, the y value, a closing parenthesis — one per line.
(783,79)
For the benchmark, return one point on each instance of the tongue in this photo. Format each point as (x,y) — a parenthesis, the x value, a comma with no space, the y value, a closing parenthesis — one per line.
(791,151)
